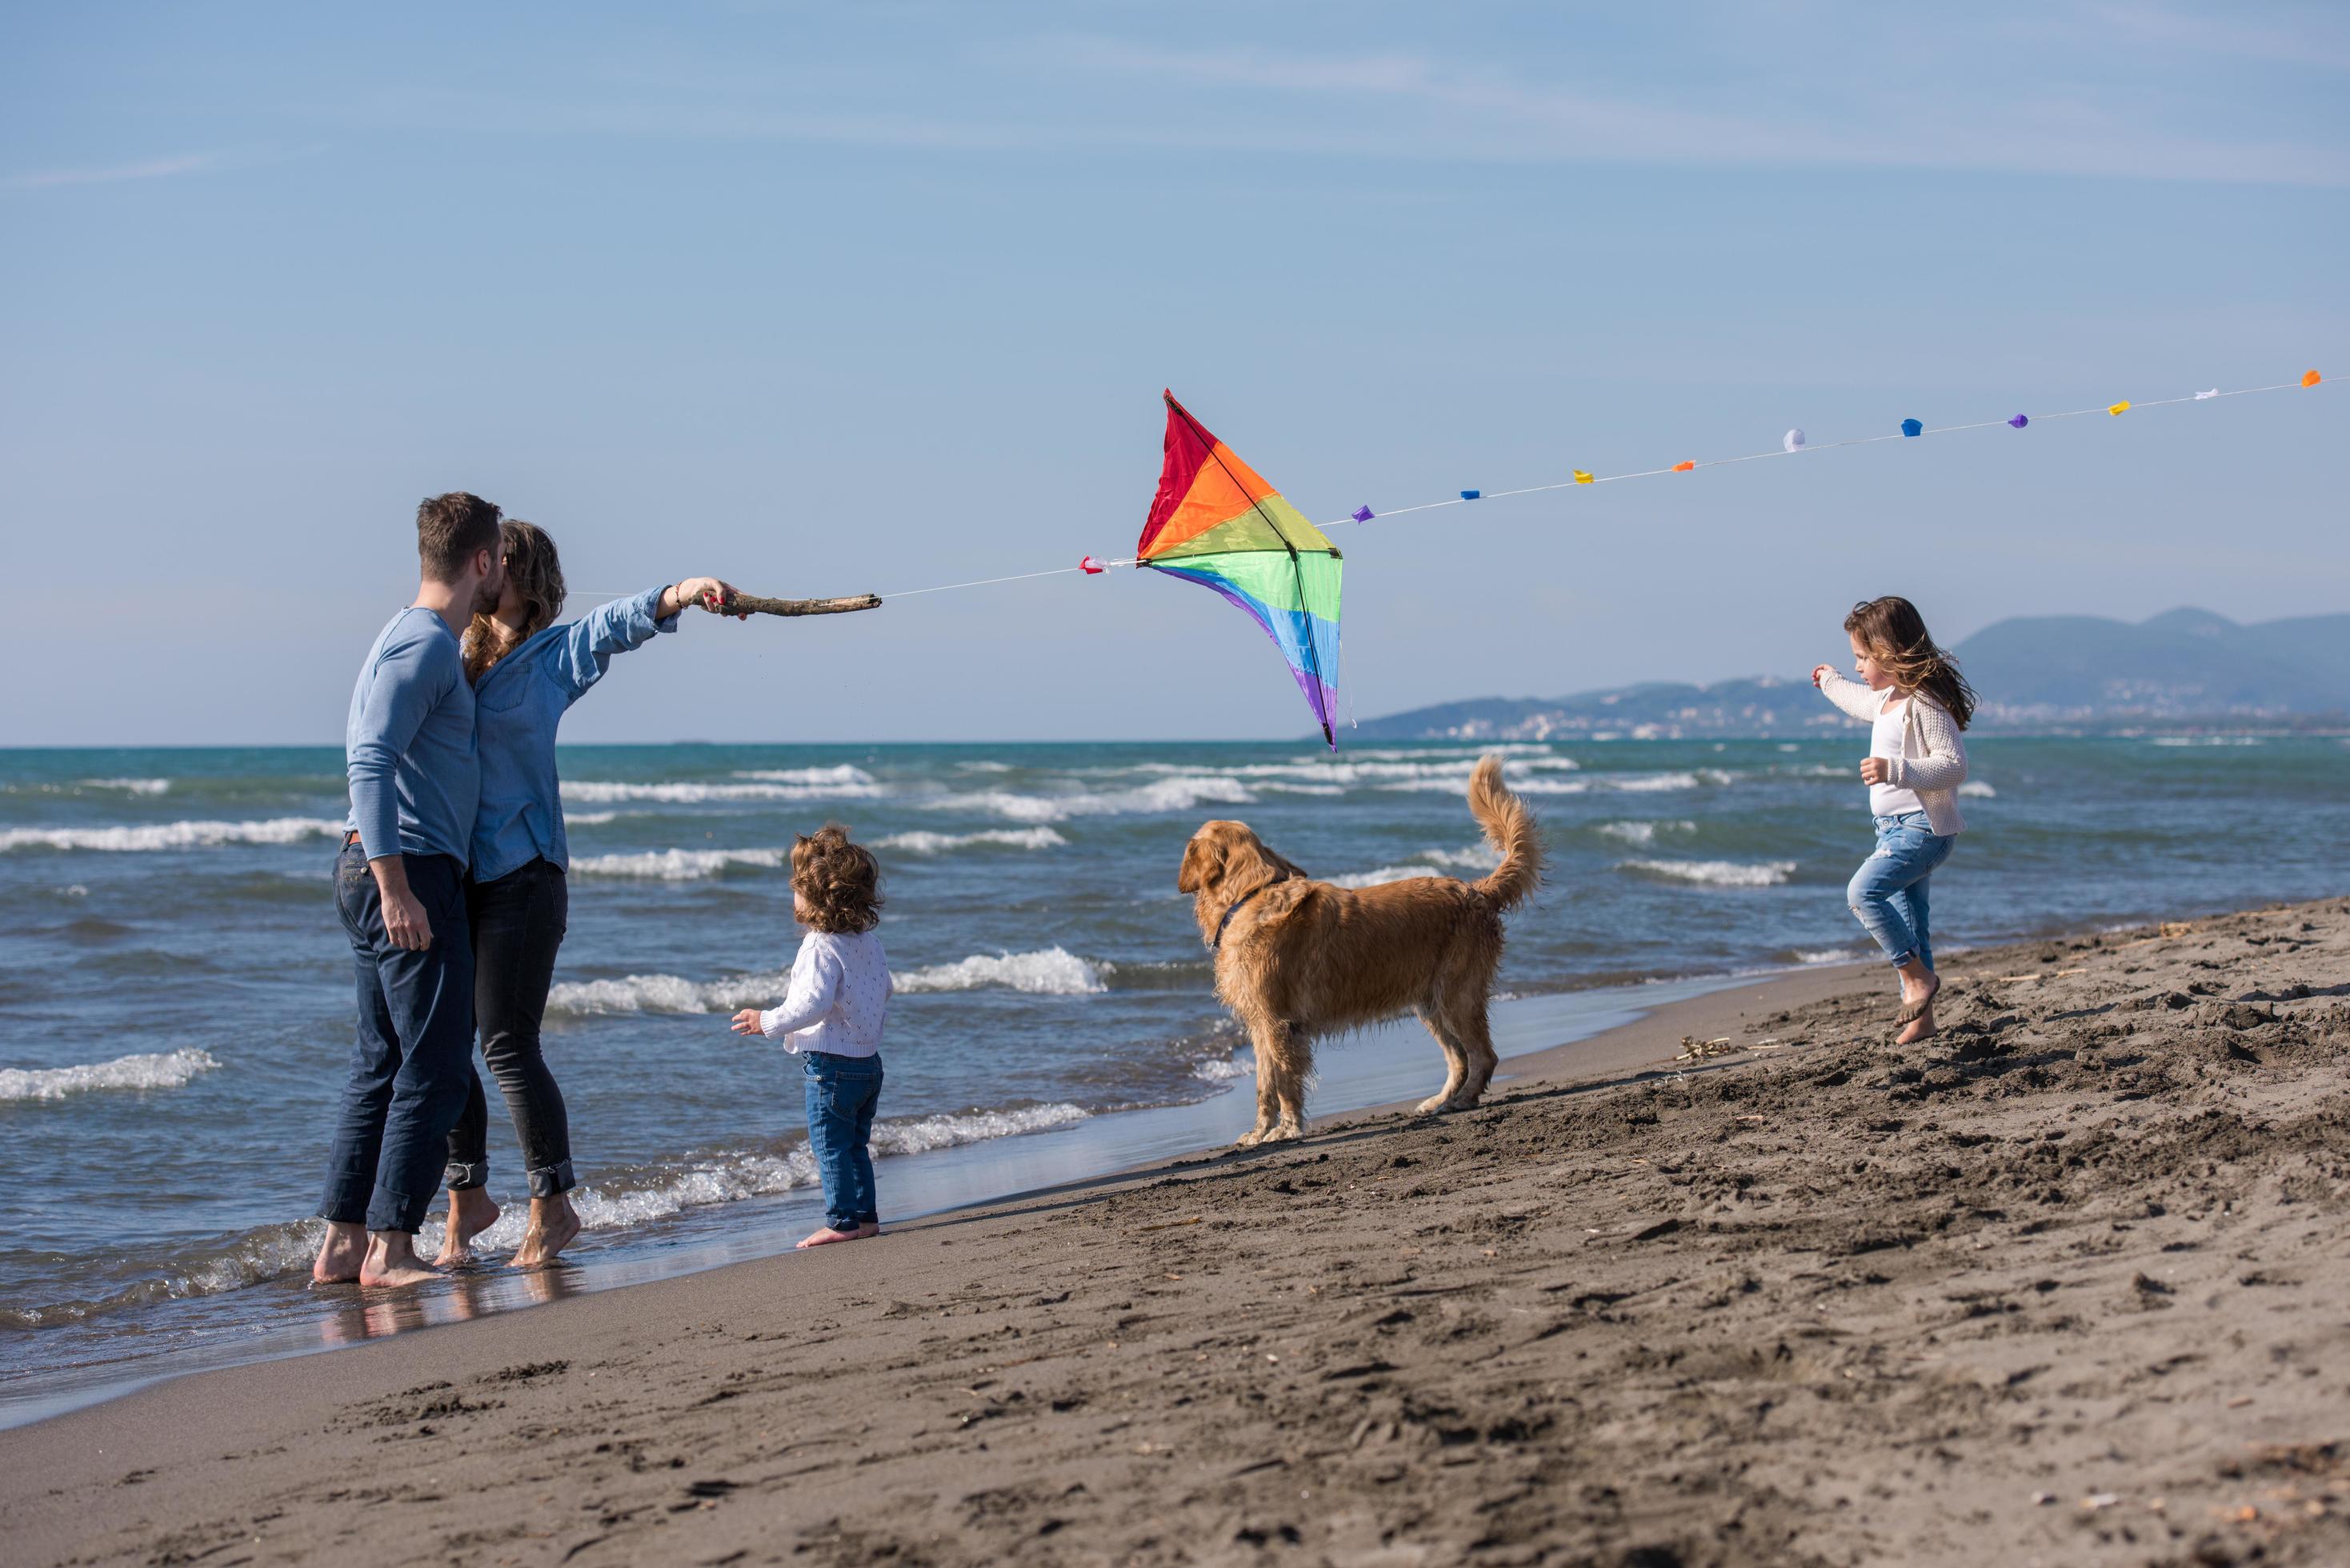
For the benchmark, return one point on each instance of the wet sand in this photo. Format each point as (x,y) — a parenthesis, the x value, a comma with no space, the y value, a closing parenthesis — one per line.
(2062,1285)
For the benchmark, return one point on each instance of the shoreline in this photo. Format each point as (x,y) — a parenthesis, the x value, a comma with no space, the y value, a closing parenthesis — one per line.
(1381,1069)
(1825,1301)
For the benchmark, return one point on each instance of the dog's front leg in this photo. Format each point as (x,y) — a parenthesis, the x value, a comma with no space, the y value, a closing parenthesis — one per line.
(1279,1077)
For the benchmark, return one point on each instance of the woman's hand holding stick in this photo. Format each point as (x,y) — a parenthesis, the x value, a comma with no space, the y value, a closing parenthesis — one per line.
(720,598)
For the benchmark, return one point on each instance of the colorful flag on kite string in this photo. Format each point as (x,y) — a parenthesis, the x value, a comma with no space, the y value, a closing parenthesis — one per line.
(1216,522)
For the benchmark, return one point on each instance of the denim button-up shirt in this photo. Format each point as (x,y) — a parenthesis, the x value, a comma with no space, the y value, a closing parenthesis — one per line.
(519,703)
(409,741)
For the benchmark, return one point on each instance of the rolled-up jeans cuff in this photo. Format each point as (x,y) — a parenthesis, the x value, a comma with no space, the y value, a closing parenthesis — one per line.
(460,1176)
(398,1211)
(1900,959)
(553,1180)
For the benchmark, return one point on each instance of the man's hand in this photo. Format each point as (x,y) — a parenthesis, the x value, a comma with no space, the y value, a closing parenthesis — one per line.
(404,920)
(1876,771)
(747,1022)
(1821,671)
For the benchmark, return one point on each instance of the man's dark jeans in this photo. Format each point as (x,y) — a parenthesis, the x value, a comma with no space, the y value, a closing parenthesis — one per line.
(518,922)
(412,1055)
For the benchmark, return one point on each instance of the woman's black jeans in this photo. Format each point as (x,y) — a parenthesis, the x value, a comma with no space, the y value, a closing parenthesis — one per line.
(518,922)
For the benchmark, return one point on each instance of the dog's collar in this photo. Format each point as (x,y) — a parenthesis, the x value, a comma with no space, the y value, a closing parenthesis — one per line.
(1219,943)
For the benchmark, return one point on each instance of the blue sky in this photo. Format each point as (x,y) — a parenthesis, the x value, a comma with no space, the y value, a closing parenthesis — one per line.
(826,299)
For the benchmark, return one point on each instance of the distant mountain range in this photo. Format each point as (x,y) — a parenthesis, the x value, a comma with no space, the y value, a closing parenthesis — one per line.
(2039,672)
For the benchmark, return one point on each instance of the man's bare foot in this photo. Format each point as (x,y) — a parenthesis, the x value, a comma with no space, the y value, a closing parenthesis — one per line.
(868,1230)
(391,1261)
(554,1225)
(341,1254)
(472,1210)
(824,1236)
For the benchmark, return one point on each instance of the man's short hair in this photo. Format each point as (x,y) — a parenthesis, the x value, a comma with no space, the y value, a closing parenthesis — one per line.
(448,529)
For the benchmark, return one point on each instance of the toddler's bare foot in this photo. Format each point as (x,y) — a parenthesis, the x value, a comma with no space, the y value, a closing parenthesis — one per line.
(391,1261)
(824,1236)
(472,1210)
(554,1225)
(341,1254)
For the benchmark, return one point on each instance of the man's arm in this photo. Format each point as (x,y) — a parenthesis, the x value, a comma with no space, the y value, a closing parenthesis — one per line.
(406,684)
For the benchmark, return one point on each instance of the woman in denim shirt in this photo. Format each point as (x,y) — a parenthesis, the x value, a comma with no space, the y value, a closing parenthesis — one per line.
(526,673)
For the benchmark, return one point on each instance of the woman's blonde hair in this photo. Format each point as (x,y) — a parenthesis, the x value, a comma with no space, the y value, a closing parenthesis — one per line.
(841,881)
(535,573)
(1896,636)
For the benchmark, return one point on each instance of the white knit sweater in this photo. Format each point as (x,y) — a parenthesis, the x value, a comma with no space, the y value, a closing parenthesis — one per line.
(1933,760)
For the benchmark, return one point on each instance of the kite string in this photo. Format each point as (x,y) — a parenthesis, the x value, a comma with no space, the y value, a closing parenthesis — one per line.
(1642,473)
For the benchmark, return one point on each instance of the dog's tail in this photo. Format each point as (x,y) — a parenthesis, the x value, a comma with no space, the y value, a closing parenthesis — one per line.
(1510,829)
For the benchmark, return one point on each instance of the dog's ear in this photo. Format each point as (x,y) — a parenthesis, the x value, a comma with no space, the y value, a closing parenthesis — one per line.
(1203,862)
(1281,863)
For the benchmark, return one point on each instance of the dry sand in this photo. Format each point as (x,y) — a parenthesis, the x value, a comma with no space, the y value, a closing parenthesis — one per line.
(2065,1285)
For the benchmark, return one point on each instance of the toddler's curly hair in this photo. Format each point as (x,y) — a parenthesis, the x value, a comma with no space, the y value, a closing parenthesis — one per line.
(841,881)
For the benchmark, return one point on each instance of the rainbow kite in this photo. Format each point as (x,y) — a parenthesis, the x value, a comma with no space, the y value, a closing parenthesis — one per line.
(1218,523)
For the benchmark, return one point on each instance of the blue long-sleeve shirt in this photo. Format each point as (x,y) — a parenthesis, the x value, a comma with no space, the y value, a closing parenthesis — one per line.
(522,699)
(408,742)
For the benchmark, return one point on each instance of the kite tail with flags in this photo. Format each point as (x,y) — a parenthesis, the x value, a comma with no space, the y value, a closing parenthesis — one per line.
(1218,523)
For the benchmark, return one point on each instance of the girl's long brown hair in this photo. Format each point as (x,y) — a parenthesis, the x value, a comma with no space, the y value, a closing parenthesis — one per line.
(1896,636)
(536,572)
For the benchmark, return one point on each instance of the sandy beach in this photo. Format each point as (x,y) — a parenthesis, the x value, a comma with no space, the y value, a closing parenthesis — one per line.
(2064,1285)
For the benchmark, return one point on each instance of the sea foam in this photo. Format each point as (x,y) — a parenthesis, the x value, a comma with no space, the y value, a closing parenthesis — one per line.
(1717,873)
(678,865)
(1053,972)
(157,1070)
(163,835)
(921,842)
(788,784)
(1177,794)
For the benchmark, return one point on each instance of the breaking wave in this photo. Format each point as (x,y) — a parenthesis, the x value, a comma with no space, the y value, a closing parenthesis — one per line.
(1383,874)
(131,787)
(171,835)
(811,778)
(158,1070)
(1178,794)
(603,792)
(1977,788)
(1717,873)
(1643,833)
(678,865)
(1054,971)
(921,842)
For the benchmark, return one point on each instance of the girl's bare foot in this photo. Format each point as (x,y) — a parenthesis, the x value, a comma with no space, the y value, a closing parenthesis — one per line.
(554,1225)
(470,1212)
(824,1236)
(391,1261)
(341,1254)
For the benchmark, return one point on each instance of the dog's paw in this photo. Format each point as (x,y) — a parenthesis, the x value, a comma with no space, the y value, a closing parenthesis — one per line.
(1250,1139)
(1287,1132)
(1431,1105)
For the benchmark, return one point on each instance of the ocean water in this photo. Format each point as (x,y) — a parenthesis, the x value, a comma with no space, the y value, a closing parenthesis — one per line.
(175,999)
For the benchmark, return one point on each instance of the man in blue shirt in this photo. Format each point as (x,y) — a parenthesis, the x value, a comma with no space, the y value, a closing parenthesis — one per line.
(399,887)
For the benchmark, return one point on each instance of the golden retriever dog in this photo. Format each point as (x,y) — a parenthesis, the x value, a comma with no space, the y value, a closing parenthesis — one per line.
(1297,959)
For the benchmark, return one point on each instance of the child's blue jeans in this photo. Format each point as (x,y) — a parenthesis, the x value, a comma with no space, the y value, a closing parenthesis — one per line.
(1889,891)
(842,1092)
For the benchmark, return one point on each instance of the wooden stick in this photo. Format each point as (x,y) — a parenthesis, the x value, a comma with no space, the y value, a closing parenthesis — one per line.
(754,604)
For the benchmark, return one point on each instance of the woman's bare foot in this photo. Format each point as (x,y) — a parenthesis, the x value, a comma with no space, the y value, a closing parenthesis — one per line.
(1919,1028)
(824,1236)
(341,1254)
(868,1230)
(391,1261)
(470,1212)
(554,1225)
